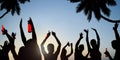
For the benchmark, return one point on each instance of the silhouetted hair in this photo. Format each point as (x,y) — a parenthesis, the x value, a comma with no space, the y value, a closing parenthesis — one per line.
(50,47)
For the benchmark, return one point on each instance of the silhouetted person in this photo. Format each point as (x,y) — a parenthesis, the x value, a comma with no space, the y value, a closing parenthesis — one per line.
(50,55)
(11,43)
(108,55)
(64,55)
(30,50)
(13,47)
(0,51)
(79,50)
(7,46)
(115,45)
(12,40)
(4,51)
(94,50)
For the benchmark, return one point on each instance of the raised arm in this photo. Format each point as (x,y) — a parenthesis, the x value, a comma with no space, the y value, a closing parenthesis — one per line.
(14,52)
(66,45)
(108,54)
(11,45)
(98,38)
(42,45)
(9,37)
(116,32)
(87,40)
(22,33)
(59,43)
(33,30)
(71,51)
(81,36)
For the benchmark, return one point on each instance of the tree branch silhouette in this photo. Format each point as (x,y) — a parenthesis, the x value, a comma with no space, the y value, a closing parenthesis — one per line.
(12,6)
(4,14)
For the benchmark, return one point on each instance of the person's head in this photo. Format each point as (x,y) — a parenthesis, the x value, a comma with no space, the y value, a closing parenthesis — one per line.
(64,52)
(50,48)
(81,47)
(13,35)
(115,44)
(5,43)
(93,43)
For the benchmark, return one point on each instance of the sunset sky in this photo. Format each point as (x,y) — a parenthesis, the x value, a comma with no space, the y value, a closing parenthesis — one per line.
(59,16)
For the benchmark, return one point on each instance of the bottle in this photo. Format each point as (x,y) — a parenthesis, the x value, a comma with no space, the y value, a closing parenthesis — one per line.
(29,27)
(106,51)
(3,29)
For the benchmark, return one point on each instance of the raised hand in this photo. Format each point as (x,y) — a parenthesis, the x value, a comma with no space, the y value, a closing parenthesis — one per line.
(48,34)
(30,20)
(53,33)
(93,29)
(68,44)
(81,35)
(5,31)
(86,30)
(13,35)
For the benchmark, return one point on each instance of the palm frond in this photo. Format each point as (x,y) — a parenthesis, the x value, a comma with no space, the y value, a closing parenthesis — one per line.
(74,1)
(23,1)
(105,10)
(97,13)
(89,15)
(11,6)
(80,7)
(86,10)
(18,9)
(111,2)
(13,11)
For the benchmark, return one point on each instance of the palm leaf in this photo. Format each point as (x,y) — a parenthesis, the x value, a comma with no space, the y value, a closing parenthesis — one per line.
(73,1)
(97,13)
(89,15)
(86,10)
(111,2)
(80,7)
(18,9)
(105,10)
(13,11)
(11,6)
(23,1)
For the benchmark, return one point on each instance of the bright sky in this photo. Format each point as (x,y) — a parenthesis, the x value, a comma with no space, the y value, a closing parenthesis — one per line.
(59,16)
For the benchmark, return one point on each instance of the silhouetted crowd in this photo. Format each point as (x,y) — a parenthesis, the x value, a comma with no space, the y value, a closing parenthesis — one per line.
(31,50)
